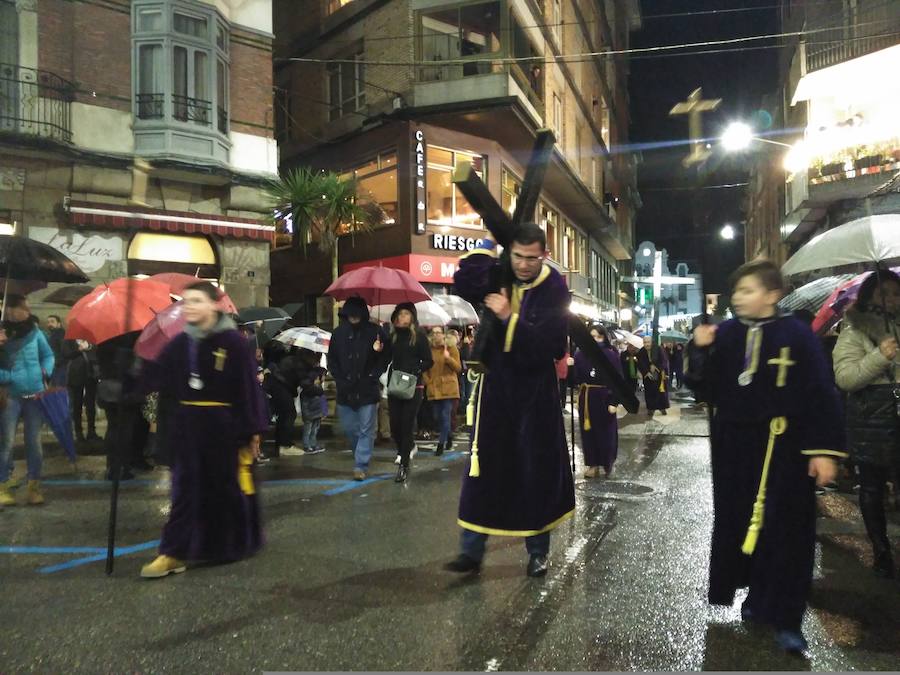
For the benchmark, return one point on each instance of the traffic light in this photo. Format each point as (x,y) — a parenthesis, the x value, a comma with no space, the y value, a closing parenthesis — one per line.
(644,295)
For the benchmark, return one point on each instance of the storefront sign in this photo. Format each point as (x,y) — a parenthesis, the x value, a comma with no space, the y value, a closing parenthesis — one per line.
(451,242)
(419,164)
(90,253)
(433,269)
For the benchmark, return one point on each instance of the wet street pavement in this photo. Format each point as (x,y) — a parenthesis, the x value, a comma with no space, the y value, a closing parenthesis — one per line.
(351,577)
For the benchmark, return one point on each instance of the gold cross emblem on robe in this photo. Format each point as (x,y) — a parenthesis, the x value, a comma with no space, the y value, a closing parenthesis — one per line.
(220,355)
(783,362)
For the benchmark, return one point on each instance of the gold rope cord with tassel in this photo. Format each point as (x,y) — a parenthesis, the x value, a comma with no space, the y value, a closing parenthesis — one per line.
(474,465)
(662,381)
(777,427)
(245,476)
(587,410)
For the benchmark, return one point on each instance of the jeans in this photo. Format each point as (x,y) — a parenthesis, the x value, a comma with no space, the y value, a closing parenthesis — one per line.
(311,432)
(442,410)
(359,426)
(473,544)
(403,418)
(28,410)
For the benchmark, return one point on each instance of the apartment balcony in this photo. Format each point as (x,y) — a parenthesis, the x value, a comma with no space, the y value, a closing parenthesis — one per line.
(460,84)
(35,103)
(870,26)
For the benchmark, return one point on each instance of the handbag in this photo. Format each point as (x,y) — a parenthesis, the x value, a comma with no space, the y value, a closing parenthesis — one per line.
(402,385)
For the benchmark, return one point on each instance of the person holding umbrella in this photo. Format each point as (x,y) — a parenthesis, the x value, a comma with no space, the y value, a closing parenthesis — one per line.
(865,366)
(28,362)
(210,370)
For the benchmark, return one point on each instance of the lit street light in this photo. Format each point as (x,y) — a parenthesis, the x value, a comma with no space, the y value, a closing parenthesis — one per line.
(727,232)
(738,136)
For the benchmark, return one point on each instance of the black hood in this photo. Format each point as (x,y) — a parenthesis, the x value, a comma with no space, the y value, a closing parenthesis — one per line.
(355,306)
(409,307)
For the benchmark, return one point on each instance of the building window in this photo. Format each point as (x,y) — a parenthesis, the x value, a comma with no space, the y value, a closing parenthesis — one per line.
(331,6)
(154,252)
(558,119)
(445,204)
(511,188)
(377,181)
(550,224)
(181,66)
(556,21)
(466,31)
(346,87)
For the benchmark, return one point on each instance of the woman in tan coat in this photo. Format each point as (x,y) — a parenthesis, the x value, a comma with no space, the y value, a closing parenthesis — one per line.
(442,384)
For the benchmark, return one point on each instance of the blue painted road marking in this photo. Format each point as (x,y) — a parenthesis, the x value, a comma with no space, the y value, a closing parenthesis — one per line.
(124,550)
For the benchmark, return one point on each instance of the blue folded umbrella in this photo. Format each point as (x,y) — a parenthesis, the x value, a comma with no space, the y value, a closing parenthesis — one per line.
(55,406)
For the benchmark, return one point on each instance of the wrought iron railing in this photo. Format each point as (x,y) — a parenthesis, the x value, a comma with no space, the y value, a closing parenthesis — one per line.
(187,109)
(150,106)
(35,103)
(841,35)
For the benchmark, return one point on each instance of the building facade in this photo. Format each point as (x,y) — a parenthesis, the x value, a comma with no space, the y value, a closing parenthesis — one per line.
(836,92)
(136,136)
(401,93)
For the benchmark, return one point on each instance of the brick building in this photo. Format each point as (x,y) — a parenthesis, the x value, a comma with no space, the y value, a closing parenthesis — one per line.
(838,99)
(379,100)
(135,136)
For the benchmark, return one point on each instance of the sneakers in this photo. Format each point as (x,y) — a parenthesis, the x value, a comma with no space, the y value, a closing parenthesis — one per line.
(6,498)
(163,566)
(792,641)
(359,474)
(33,495)
(291,451)
(314,451)
(463,564)
(537,566)
(397,459)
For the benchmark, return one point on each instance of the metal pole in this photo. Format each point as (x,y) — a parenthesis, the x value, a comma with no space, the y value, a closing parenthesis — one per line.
(572,417)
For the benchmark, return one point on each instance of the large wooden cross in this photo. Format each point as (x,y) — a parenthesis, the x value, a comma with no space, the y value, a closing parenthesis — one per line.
(658,279)
(694,107)
(503,228)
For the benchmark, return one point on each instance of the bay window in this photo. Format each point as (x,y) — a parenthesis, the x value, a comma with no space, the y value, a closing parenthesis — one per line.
(446,205)
(469,30)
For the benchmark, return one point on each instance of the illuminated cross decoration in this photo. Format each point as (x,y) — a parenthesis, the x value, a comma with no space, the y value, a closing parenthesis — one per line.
(693,107)
(220,355)
(783,362)
(658,279)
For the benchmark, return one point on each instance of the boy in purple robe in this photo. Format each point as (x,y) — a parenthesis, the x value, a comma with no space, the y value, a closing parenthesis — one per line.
(597,410)
(653,365)
(210,371)
(518,483)
(776,431)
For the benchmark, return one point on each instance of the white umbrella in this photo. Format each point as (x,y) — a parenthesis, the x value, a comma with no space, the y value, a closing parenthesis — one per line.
(306,337)
(460,311)
(812,295)
(867,241)
(632,339)
(430,313)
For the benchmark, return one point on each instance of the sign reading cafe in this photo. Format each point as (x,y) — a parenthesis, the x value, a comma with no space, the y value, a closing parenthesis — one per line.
(419,173)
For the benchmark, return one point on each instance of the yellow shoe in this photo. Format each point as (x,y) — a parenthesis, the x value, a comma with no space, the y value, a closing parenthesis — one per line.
(6,498)
(163,566)
(34,496)
(11,484)
(592,472)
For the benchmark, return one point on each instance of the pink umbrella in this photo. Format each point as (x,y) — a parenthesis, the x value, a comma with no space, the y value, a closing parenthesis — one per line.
(838,302)
(161,330)
(177,282)
(378,286)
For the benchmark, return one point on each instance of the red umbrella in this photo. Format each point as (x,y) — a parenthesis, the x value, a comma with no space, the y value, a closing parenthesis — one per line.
(101,314)
(832,311)
(177,282)
(378,286)
(164,327)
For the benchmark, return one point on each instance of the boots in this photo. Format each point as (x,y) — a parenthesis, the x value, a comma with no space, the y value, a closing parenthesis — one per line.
(33,494)
(402,473)
(440,450)
(6,497)
(871,504)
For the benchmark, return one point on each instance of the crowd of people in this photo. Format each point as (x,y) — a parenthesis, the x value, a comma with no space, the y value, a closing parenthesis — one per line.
(786,412)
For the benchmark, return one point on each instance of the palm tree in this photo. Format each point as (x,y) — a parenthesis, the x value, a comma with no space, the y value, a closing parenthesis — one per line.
(322,207)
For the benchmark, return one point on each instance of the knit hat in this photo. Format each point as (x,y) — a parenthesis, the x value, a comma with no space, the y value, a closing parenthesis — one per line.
(408,306)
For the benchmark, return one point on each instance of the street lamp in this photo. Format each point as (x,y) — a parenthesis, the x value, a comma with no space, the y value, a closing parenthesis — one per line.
(727,232)
(738,136)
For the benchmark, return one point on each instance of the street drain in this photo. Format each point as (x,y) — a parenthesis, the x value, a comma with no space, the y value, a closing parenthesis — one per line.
(607,489)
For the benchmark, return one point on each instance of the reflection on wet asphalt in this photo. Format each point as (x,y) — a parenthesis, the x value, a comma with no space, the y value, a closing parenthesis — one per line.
(351,578)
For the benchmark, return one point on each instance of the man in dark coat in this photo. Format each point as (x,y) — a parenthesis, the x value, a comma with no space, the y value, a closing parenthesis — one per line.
(55,336)
(654,367)
(518,483)
(81,379)
(211,371)
(357,356)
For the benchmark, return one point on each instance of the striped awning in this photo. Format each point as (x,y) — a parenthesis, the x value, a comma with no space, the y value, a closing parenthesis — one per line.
(108,216)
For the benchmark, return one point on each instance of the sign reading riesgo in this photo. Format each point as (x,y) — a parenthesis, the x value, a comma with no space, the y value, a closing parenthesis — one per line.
(451,242)
(419,172)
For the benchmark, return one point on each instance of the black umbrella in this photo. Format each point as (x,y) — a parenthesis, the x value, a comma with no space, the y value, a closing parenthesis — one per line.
(22,258)
(254,314)
(68,295)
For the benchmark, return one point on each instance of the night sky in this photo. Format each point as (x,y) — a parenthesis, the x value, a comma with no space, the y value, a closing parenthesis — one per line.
(685,220)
